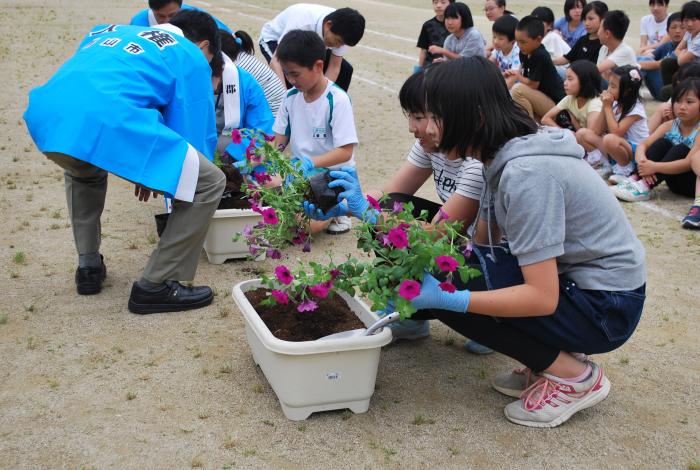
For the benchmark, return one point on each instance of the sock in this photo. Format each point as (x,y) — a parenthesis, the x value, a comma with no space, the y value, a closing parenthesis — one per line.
(149,286)
(89,260)
(624,170)
(581,377)
(697,200)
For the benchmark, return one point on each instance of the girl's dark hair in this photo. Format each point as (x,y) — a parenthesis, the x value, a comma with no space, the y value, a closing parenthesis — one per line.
(545,14)
(690,85)
(689,70)
(460,10)
(571,4)
(200,26)
(588,78)
(505,25)
(158,4)
(629,88)
(600,9)
(476,112)
(412,94)
(232,46)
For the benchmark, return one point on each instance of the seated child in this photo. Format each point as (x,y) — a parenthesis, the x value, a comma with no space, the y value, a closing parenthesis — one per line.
(692,220)
(664,112)
(665,154)
(580,109)
(588,46)
(465,40)
(651,67)
(506,53)
(652,28)
(625,121)
(433,33)
(316,117)
(162,11)
(552,40)
(540,86)
(614,52)
(689,48)
(570,26)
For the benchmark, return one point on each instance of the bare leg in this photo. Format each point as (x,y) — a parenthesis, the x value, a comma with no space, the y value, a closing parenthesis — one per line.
(618,148)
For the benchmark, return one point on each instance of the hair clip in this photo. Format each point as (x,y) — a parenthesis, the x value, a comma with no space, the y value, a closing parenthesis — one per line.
(634,74)
(238,40)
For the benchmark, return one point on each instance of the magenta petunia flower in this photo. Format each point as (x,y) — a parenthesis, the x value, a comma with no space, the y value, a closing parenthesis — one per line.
(319,290)
(467,251)
(247,231)
(385,240)
(307,246)
(328,284)
(255,207)
(269,138)
(307,306)
(447,286)
(409,289)
(281,297)
(270,216)
(398,238)
(335,273)
(283,274)
(236,136)
(250,150)
(262,177)
(300,237)
(398,207)
(274,254)
(446,263)
(443,215)
(374,203)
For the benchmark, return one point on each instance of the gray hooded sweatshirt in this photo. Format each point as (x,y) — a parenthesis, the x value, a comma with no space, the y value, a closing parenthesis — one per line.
(550,203)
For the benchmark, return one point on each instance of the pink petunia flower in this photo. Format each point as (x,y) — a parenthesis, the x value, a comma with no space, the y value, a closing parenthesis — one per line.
(443,215)
(385,240)
(335,273)
(274,254)
(398,207)
(446,263)
(247,231)
(398,238)
(269,138)
(447,286)
(319,290)
(236,136)
(307,306)
(270,216)
(255,207)
(281,297)
(409,289)
(374,203)
(283,274)
(262,177)
(300,237)
(467,251)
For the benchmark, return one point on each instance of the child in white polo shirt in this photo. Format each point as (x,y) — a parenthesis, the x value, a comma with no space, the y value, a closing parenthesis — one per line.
(316,118)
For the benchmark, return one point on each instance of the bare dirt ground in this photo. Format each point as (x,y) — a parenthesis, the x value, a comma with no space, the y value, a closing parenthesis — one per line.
(86,384)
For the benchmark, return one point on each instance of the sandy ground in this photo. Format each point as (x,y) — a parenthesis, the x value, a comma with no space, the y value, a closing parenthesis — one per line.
(86,384)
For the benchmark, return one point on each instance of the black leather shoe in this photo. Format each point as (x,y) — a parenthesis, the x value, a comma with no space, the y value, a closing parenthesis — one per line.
(89,280)
(173,297)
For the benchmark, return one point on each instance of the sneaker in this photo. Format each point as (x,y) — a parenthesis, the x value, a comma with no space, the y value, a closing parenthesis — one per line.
(604,170)
(515,382)
(339,225)
(616,179)
(631,191)
(477,348)
(172,297)
(88,280)
(409,330)
(551,401)
(692,220)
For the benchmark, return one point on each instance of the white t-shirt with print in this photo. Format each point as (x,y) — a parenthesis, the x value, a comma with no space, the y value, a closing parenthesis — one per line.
(693,44)
(637,131)
(507,62)
(654,31)
(304,16)
(320,126)
(623,55)
(464,177)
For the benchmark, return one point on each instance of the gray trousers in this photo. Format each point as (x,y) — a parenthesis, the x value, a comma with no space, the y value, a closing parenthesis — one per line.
(177,254)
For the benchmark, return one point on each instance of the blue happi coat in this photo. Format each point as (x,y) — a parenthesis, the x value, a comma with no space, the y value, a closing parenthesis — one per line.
(141,18)
(132,100)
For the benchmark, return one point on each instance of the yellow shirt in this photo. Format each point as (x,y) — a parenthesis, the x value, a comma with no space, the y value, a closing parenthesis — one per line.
(593,105)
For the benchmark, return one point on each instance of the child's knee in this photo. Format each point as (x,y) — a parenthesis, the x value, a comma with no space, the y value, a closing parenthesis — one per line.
(611,141)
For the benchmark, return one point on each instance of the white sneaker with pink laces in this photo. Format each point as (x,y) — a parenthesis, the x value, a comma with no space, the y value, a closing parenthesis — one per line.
(551,401)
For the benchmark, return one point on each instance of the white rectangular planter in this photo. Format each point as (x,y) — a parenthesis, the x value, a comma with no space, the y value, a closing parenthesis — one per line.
(310,376)
(225,223)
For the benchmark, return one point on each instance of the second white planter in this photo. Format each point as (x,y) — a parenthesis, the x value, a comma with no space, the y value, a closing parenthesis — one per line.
(321,375)
(219,245)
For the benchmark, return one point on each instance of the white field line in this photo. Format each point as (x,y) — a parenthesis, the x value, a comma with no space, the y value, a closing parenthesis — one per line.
(378,85)
(659,210)
(413,59)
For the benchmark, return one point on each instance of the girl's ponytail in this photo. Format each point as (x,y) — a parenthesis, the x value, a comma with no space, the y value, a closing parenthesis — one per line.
(630,84)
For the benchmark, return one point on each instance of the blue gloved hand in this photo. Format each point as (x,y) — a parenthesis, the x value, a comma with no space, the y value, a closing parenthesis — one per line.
(314,213)
(305,164)
(433,297)
(242,166)
(358,205)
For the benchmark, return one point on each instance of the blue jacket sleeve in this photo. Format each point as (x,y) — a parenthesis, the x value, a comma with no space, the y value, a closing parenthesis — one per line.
(255,111)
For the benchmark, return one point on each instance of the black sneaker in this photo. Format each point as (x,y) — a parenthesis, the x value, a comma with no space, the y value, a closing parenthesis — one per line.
(88,280)
(173,297)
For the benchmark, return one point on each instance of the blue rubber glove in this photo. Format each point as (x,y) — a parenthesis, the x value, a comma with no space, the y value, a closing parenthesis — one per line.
(358,205)
(312,212)
(304,164)
(433,297)
(242,166)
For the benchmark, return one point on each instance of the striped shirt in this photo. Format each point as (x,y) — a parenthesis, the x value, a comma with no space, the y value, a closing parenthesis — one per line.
(464,177)
(272,86)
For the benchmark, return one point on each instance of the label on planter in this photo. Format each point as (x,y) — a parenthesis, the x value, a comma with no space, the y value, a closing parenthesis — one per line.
(332,375)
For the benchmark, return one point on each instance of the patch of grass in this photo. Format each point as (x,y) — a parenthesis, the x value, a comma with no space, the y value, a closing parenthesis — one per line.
(197,462)
(224,312)
(152,238)
(225,369)
(19,258)
(30,308)
(449,341)
(482,374)
(3,319)
(31,343)
(249,452)
(684,420)
(130,396)
(694,465)
(387,451)
(56,214)
(267,422)
(53,383)
(203,415)
(347,414)
(419,420)
(624,360)
(54,227)
(229,443)
(14,274)
(453,450)
(257,388)
(302,428)
(133,246)
(29,197)
(117,349)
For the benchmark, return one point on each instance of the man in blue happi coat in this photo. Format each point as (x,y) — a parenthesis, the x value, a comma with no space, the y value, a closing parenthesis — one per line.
(137,102)
(162,11)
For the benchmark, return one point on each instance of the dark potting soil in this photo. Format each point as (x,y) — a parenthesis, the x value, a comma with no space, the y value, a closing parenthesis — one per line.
(234,201)
(233,197)
(332,316)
